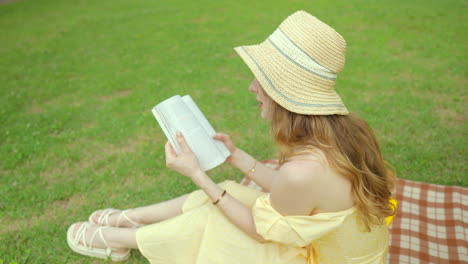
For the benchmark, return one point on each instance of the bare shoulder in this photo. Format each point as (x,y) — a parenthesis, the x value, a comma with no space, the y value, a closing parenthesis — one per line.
(307,185)
(302,171)
(294,190)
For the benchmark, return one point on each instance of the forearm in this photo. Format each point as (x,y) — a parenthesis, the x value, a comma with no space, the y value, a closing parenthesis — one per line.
(263,175)
(239,214)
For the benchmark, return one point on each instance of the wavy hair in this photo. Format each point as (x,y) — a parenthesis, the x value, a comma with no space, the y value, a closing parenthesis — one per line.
(351,149)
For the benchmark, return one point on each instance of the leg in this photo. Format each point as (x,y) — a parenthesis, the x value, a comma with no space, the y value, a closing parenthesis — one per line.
(147,214)
(158,212)
(119,237)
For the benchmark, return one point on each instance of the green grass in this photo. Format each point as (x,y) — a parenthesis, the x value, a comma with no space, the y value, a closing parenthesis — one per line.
(78,80)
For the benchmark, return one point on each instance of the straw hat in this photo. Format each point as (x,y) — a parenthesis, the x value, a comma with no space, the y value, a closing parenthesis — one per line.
(297,65)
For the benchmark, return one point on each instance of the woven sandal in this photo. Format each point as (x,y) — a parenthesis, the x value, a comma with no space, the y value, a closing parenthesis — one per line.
(88,250)
(103,219)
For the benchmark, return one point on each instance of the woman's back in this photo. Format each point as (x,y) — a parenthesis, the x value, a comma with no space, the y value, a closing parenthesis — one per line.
(325,189)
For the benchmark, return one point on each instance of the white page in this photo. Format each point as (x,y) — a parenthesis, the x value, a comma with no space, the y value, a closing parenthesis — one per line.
(165,122)
(222,149)
(197,138)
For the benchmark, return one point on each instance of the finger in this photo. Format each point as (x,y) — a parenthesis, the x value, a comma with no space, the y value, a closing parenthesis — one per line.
(221,136)
(182,142)
(170,153)
(218,137)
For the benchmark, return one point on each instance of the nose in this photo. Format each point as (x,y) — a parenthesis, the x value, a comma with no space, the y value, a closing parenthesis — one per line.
(253,86)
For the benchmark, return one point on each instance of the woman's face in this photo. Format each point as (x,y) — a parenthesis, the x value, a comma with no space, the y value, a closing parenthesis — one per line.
(261,97)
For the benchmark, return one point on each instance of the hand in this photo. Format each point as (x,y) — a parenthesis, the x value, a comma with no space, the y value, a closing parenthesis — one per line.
(186,163)
(228,143)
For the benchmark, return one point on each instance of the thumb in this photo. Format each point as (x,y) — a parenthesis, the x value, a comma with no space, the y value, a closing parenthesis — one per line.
(170,153)
(221,136)
(183,144)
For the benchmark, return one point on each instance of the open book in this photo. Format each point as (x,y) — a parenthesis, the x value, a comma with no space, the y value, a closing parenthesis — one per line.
(181,114)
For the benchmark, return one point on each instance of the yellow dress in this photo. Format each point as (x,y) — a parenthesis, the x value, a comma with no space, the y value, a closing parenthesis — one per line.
(203,235)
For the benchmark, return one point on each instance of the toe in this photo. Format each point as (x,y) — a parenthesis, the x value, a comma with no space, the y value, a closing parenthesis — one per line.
(73,231)
(86,238)
(76,227)
(95,216)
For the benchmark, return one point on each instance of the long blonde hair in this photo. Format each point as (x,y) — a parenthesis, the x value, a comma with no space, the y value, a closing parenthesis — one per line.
(351,149)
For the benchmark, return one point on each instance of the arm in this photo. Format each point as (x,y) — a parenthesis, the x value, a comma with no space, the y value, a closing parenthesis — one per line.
(239,214)
(263,175)
(187,164)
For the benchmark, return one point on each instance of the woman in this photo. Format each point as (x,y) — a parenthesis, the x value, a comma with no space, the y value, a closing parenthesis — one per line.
(327,203)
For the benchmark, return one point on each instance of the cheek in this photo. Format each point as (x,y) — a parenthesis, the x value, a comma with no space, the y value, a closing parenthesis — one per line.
(266,107)
(262,95)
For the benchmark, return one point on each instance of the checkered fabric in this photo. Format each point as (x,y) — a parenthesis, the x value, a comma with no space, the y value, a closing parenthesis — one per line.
(431,225)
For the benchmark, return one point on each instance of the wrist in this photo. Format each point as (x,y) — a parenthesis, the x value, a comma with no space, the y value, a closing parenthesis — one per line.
(236,157)
(199,177)
(243,161)
(251,171)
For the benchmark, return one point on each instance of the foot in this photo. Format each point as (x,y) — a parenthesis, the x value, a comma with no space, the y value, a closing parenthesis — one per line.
(114,218)
(92,240)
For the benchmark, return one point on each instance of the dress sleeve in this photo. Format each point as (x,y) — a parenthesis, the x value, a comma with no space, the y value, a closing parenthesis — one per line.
(297,231)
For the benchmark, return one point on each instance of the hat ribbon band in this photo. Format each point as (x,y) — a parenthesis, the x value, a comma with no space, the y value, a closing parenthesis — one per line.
(282,94)
(280,41)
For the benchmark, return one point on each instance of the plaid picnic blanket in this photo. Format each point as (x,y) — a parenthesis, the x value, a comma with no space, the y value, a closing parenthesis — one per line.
(431,224)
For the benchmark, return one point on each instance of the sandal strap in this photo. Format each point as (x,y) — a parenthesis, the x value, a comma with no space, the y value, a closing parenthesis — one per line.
(104,217)
(81,235)
(99,231)
(83,241)
(123,214)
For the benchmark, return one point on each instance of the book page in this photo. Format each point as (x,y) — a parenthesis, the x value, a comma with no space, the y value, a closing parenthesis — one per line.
(165,123)
(222,149)
(197,138)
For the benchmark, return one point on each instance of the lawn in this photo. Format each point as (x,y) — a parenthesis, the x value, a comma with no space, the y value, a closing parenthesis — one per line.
(78,80)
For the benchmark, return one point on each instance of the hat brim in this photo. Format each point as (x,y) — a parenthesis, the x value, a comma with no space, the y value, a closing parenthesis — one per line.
(290,85)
